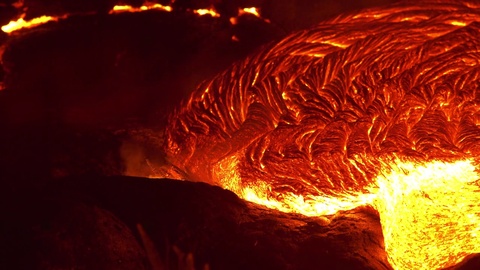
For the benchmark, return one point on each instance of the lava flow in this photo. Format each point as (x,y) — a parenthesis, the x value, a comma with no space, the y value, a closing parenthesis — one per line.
(380,107)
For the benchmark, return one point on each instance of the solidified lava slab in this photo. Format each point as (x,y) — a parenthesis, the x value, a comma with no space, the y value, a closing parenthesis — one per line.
(66,216)
(70,216)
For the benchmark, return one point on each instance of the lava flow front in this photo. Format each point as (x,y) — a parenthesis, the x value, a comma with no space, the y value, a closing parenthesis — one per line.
(380,107)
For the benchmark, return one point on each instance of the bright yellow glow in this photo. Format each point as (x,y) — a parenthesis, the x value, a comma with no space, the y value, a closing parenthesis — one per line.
(336,44)
(430,213)
(122,8)
(457,23)
(21,23)
(226,173)
(249,10)
(127,8)
(210,12)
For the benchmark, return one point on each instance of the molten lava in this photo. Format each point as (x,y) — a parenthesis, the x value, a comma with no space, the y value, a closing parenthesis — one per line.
(144,7)
(429,211)
(21,23)
(381,107)
(249,10)
(210,12)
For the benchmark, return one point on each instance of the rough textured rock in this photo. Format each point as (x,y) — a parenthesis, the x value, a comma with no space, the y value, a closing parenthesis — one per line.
(61,232)
(80,222)
(70,222)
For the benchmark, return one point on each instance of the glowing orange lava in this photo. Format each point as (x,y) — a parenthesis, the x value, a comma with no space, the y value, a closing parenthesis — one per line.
(146,6)
(203,12)
(381,107)
(429,210)
(249,10)
(21,23)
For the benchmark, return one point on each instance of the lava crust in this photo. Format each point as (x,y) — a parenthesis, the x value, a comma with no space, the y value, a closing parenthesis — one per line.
(327,105)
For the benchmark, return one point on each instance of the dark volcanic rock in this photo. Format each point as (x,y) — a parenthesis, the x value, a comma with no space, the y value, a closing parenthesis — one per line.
(471,262)
(94,71)
(65,233)
(82,222)
(214,225)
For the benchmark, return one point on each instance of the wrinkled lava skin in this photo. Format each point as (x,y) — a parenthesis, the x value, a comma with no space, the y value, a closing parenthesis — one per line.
(315,112)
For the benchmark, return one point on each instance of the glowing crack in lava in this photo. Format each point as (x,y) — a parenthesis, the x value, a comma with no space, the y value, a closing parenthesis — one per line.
(380,107)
